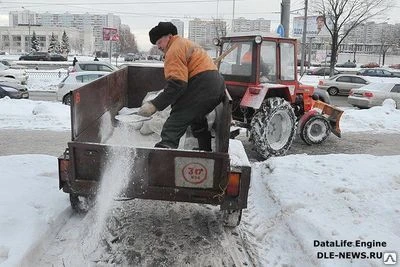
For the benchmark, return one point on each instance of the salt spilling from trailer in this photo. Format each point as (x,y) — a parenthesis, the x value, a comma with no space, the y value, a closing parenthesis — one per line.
(115,177)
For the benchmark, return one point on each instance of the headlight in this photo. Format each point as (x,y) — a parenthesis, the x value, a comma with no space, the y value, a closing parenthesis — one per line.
(258,39)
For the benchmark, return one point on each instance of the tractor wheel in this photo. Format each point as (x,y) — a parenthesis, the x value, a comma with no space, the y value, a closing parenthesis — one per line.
(232,217)
(273,127)
(315,130)
(81,204)
(333,91)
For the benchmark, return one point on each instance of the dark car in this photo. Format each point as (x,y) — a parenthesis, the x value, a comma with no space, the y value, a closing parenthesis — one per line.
(378,73)
(36,56)
(57,57)
(322,71)
(347,64)
(306,63)
(13,90)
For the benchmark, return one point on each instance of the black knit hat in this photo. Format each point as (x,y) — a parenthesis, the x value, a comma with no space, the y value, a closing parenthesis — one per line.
(163,28)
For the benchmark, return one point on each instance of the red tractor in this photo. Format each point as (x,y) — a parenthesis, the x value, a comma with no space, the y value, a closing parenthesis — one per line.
(261,76)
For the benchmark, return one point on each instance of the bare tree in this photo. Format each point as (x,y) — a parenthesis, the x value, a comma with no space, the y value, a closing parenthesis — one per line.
(155,51)
(127,40)
(342,16)
(388,39)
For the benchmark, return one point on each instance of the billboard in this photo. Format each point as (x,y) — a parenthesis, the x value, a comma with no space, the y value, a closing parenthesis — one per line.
(315,26)
(110,34)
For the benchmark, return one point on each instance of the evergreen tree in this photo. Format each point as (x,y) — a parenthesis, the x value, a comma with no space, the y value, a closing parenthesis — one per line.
(64,44)
(58,48)
(53,44)
(34,43)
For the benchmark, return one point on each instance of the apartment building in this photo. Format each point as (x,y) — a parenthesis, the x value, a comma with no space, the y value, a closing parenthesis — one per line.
(82,23)
(246,25)
(180,25)
(204,31)
(15,40)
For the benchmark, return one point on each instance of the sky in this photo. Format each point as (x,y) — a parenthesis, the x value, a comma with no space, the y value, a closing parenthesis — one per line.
(294,200)
(142,15)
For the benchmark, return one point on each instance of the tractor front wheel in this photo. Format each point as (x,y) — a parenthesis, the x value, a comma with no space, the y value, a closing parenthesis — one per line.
(273,127)
(315,130)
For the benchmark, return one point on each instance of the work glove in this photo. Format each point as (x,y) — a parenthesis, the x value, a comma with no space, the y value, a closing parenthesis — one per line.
(147,109)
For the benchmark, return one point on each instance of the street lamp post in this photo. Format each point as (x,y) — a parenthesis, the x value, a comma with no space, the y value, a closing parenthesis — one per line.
(29,27)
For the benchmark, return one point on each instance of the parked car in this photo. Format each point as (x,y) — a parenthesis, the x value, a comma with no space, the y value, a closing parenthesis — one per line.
(131,57)
(394,66)
(322,71)
(11,64)
(374,94)
(13,90)
(92,66)
(18,75)
(347,64)
(36,56)
(57,57)
(306,63)
(370,65)
(75,80)
(378,73)
(342,83)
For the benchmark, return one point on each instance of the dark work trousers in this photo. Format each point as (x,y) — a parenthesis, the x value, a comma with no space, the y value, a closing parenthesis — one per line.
(203,93)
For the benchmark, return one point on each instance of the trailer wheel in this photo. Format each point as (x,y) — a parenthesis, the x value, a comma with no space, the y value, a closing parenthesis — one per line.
(81,204)
(315,130)
(232,217)
(67,99)
(273,127)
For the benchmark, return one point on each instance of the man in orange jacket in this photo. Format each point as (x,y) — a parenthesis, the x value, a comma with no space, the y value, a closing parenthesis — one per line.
(194,88)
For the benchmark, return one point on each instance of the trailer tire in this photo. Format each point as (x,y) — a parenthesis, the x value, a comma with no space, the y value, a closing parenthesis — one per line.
(315,130)
(273,127)
(67,99)
(232,217)
(81,204)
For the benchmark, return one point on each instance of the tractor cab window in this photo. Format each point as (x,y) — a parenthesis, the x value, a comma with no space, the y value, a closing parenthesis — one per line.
(268,62)
(238,60)
(288,67)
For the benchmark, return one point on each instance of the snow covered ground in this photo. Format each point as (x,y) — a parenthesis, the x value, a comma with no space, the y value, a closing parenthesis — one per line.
(298,204)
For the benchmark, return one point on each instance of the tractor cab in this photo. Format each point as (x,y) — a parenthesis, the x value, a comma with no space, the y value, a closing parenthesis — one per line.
(256,59)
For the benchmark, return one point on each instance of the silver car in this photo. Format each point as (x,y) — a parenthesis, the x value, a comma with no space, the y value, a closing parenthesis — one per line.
(75,80)
(18,75)
(374,94)
(92,66)
(342,83)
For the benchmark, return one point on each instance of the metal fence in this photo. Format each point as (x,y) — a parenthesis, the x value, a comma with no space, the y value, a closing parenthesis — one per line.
(47,74)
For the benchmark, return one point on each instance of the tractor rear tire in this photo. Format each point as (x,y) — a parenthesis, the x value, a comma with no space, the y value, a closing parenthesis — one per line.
(315,130)
(273,127)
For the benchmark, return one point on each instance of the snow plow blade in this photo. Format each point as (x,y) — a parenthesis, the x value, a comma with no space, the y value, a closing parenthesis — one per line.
(332,114)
